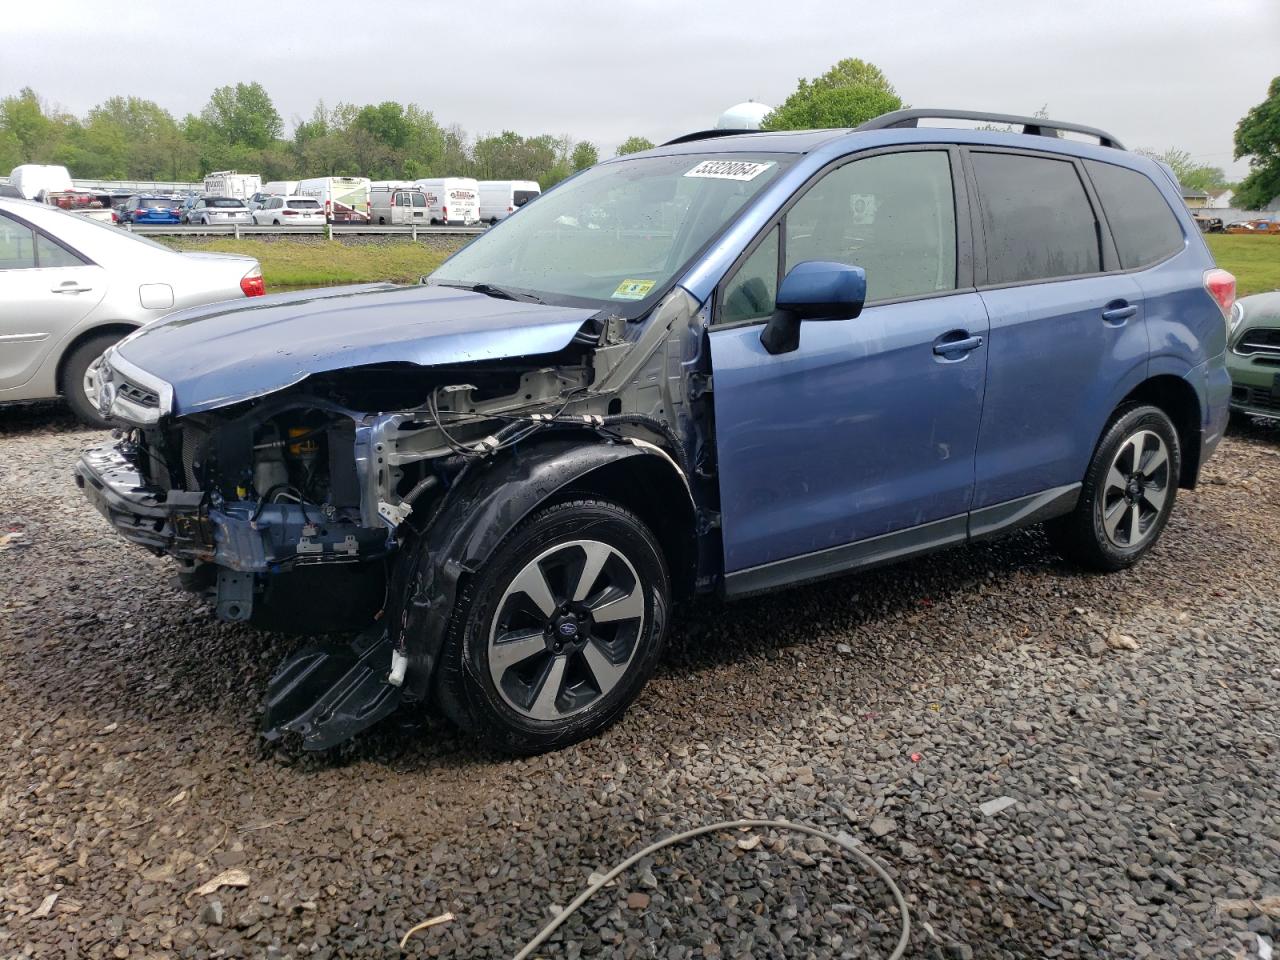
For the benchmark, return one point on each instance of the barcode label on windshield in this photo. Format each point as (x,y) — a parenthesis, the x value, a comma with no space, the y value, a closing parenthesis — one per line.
(729,169)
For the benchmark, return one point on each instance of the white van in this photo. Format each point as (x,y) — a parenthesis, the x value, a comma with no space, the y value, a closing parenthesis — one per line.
(452,200)
(501,198)
(228,183)
(280,188)
(33,179)
(397,201)
(345,199)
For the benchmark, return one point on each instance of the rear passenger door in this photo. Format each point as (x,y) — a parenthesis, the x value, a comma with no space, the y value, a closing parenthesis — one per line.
(1068,336)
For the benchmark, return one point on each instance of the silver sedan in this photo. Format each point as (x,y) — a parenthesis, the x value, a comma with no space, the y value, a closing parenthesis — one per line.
(71,287)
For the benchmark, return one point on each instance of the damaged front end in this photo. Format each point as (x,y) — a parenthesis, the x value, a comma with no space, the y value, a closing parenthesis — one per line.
(357,498)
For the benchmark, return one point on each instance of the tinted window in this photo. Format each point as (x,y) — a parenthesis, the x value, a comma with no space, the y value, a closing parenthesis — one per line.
(1143,226)
(893,215)
(302,204)
(1036,217)
(154,203)
(751,293)
(17,246)
(50,254)
(418,200)
(520,197)
(223,202)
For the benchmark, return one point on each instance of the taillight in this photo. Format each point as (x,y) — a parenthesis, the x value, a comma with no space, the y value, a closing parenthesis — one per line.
(1222,287)
(444,213)
(139,212)
(290,213)
(252,283)
(115,217)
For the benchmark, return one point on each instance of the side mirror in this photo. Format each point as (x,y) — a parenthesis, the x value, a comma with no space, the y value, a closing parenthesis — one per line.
(813,290)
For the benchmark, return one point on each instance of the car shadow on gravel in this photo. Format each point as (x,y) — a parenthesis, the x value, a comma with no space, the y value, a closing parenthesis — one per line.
(40,416)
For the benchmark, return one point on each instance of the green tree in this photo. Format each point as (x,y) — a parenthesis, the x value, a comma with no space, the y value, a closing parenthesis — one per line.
(1191,175)
(585,155)
(33,131)
(243,115)
(1258,138)
(848,94)
(634,145)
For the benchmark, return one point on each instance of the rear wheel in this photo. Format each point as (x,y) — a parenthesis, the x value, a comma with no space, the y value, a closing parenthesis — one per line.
(79,385)
(556,636)
(1128,493)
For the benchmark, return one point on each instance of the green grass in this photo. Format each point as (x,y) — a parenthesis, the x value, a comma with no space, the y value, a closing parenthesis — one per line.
(288,263)
(1255,261)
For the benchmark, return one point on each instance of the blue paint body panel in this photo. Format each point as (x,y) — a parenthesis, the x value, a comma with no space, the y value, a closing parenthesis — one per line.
(860,432)
(239,349)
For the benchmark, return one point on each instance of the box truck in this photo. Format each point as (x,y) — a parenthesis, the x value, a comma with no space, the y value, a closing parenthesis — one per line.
(229,183)
(452,200)
(345,199)
(34,179)
(501,198)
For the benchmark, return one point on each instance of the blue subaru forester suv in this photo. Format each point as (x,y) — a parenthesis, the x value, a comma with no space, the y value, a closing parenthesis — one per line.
(733,363)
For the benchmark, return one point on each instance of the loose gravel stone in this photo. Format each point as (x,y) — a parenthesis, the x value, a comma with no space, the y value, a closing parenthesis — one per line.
(1147,821)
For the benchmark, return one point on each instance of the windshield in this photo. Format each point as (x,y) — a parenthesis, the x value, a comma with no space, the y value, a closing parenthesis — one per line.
(617,233)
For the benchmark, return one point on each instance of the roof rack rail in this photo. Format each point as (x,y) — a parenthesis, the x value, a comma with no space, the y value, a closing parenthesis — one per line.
(1034,126)
(705,135)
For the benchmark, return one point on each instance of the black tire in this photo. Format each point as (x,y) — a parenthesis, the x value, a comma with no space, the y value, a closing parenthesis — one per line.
(1082,535)
(71,383)
(465,687)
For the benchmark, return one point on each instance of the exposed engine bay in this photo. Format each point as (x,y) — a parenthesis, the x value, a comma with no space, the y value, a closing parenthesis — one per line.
(293,510)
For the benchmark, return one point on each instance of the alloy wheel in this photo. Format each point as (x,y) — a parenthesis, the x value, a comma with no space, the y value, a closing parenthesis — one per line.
(566,629)
(1135,489)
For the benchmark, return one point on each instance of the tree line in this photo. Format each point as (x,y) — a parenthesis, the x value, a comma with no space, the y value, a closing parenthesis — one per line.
(129,138)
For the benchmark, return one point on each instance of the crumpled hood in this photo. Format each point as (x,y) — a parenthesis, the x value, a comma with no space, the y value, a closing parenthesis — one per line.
(239,349)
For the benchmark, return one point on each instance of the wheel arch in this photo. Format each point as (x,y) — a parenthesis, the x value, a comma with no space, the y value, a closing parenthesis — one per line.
(493,498)
(119,327)
(1179,400)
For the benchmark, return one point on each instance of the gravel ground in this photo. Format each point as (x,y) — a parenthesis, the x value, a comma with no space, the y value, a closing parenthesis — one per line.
(1129,719)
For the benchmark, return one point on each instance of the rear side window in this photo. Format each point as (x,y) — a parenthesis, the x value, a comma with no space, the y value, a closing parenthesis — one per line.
(1036,216)
(17,245)
(50,254)
(1144,228)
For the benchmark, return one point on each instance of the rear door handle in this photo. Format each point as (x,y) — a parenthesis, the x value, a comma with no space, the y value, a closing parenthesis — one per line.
(949,348)
(70,288)
(1119,313)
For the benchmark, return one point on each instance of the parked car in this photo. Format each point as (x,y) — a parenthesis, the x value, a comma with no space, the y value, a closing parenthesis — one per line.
(149,210)
(1207,224)
(184,211)
(501,198)
(1254,226)
(257,200)
(70,287)
(1254,356)
(454,201)
(841,349)
(397,202)
(286,211)
(215,210)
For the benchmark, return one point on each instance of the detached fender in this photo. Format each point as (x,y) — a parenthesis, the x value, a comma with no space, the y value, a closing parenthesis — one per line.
(489,501)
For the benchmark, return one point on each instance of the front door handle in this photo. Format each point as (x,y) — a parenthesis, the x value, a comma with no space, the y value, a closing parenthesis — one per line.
(950,345)
(1119,312)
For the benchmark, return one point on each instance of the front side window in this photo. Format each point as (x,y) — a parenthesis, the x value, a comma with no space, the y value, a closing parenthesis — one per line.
(1037,219)
(615,235)
(892,214)
(1144,228)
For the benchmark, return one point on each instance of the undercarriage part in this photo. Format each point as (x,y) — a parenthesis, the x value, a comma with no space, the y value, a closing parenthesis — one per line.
(235,596)
(328,693)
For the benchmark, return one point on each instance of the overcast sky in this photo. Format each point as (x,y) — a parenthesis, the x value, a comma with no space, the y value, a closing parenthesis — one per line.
(1156,73)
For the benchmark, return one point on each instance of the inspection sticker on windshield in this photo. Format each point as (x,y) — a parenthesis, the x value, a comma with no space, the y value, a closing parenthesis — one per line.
(729,169)
(633,289)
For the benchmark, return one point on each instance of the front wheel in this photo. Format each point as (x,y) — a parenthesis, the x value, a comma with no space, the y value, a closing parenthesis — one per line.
(1128,492)
(558,634)
(79,383)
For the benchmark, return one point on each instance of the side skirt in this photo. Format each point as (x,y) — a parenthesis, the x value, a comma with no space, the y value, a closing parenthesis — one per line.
(915,541)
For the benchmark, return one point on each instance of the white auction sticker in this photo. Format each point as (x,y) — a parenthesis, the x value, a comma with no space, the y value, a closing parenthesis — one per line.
(729,169)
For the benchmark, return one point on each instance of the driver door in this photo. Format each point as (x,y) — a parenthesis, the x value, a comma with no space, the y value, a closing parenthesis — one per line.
(860,444)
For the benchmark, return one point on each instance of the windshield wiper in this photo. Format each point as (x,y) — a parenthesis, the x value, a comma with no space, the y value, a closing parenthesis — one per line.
(489,290)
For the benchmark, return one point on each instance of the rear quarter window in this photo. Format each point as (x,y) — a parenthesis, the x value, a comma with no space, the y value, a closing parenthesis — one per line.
(1036,217)
(1145,229)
